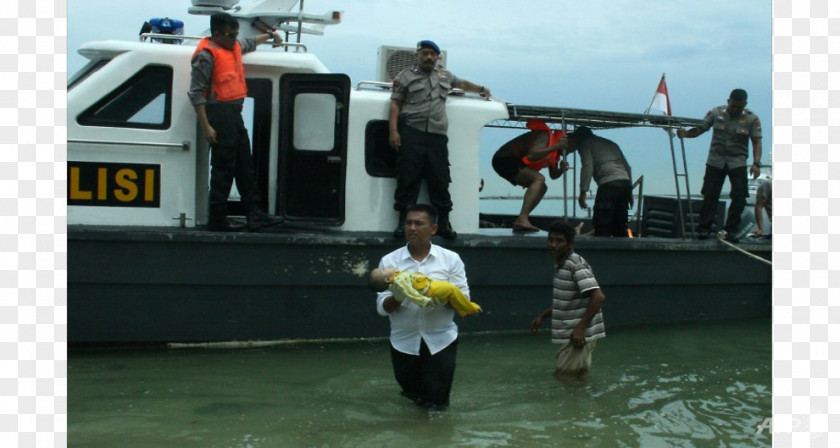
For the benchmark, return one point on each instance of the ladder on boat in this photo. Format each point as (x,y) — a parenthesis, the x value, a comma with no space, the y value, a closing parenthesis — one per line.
(684,176)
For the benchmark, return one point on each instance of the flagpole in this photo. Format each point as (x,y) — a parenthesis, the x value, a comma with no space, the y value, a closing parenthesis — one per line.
(656,92)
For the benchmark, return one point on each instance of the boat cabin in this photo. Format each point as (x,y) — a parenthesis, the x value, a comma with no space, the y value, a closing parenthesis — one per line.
(136,155)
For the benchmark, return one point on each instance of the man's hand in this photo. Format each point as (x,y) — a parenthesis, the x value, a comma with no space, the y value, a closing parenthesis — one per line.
(755,170)
(582,200)
(276,39)
(535,324)
(395,140)
(210,134)
(578,338)
(391,304)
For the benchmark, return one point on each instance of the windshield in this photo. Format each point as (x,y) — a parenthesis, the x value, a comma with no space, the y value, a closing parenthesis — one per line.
(89,69)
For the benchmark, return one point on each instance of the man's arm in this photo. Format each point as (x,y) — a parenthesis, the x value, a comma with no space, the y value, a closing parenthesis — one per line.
(597,298)
(263,38)
(209,132)
(469,86)
(393,119)
(535,324)
(555,171)
(691,133)
(755,168)
(708,120)
(586,167)
(202,70)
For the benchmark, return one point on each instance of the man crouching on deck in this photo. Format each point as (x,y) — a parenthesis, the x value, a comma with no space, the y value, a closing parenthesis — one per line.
(576,319)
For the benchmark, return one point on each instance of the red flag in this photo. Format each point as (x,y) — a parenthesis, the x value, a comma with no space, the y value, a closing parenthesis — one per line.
(660,98)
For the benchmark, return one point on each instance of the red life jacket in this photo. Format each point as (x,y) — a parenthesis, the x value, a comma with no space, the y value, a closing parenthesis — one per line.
(553,138)
(228,80)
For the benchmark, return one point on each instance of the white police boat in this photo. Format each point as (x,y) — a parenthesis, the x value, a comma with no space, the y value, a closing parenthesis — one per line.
(142,269)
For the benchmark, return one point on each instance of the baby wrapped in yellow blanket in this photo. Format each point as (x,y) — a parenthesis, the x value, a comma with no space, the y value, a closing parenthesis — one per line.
(421,290)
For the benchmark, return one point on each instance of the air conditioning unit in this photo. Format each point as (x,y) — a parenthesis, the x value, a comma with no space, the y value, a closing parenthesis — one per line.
(392,60)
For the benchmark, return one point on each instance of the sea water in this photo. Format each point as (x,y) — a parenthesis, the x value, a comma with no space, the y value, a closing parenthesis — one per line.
(689,385)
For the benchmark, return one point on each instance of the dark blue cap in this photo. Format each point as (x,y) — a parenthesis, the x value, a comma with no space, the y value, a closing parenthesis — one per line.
(428,44)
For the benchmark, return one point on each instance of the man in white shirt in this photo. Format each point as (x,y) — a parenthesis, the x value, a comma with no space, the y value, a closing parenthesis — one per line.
(424,341)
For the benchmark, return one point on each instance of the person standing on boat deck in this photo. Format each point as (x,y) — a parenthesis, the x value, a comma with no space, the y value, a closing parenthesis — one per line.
(603,160)
(424,340)
(734,127)
(763,201)
(576,318)
(217,91)
(520,160)
(417,126)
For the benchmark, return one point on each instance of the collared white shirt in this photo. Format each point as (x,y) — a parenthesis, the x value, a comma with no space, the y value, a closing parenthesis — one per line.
(433,323)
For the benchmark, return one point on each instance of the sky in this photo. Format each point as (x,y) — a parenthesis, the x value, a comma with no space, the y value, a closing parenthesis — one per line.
(600,54)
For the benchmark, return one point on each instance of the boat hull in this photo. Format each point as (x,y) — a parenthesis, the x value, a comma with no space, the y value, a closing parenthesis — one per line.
(154,285)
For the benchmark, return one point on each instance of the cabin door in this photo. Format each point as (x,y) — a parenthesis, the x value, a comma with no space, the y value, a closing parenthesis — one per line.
(313,147)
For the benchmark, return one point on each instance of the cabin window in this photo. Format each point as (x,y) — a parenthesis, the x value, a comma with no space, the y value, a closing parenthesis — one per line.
(144,101)
(86,71)
(314,125)
(380,158)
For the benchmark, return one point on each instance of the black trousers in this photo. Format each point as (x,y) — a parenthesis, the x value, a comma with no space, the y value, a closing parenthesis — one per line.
(423,155)
(712,184)
(426,379)
(609,217)
(230,159)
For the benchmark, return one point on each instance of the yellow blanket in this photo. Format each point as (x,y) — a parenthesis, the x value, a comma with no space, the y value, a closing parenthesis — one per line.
(421,290)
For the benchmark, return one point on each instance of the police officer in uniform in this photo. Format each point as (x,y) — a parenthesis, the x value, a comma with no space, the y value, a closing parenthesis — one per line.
(417,131)
(217,92)
(734,127)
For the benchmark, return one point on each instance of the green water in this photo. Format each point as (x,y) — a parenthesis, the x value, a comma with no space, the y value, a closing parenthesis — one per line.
(690,385)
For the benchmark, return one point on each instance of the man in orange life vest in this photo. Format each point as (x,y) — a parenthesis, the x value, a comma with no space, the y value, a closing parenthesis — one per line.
(217,91)
(520,160)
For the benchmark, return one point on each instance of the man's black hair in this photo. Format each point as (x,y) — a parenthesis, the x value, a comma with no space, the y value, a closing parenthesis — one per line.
(738,95)
(561,226)
(425,208)
(580,134)
(219,20)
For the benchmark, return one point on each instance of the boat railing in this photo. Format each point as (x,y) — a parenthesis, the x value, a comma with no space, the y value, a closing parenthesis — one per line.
(183,146)
(640,182)
(374,84)
(382,85)
(180,37)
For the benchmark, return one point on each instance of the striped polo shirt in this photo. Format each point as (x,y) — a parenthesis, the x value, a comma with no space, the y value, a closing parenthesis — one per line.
(572,278)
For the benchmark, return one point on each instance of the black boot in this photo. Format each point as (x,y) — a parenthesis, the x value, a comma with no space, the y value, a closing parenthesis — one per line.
(445,227)
(218,222)
(399,232)
(258,219)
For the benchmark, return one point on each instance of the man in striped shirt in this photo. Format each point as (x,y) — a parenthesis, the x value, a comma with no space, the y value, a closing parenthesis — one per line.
(576,319)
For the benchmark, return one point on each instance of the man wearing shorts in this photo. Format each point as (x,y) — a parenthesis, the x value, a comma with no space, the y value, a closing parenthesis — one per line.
(576,319)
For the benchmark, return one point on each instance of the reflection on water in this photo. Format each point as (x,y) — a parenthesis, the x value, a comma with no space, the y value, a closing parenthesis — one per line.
(668,386)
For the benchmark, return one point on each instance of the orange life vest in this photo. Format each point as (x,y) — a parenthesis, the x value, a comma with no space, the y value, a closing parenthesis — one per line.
(228,80)
(553,137)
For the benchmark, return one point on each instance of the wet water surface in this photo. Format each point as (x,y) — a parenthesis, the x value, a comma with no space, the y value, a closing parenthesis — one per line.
(703,385)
